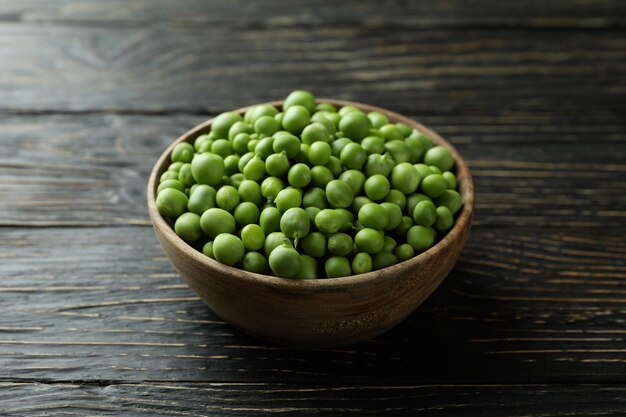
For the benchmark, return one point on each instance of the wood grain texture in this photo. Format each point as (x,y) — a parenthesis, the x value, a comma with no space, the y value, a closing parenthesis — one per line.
(104,304)
(213,68)
(263,399)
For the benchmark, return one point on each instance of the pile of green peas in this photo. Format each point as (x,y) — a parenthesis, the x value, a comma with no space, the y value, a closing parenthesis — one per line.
(311,191)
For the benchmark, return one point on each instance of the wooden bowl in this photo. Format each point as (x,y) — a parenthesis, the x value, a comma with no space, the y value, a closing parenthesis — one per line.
(324,312)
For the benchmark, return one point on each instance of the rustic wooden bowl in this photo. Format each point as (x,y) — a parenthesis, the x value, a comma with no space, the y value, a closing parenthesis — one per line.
(316,313)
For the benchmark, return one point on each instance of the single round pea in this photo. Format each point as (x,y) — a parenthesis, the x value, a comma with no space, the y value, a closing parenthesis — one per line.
(245,158)
(253,237)
(182,152)
(202,199)
(288,198)
(222,124)
(377,119)
(285,260)
(216,220)
(240,143)
(287,143)
(299,176)
(398,150)
(450,180)
(335,166)
(355,125)
(325,107)
(207,249)
(391,132)
(340,244)
(227,198)
(175,166)
(434,185)
(394,214)
(326,119)
(355,179)
(272,241)
(384,259)
(405,178)
(402,229)
(415,148)
(425,213)
(404,252)
(237,128)
(359,201)
(435,169)
(199,141)
(296,118)
(187,226)
(319,153)
(205,147)
(175,184)
(168,175)
(329,221)
(312,212)
(228,249)
(236,180)
(374,216)
(378,164)
(396,197)
(339,193)
(295,223)
(300,98)
(222,148)
(413,200)
(266,125)
(277,164)
(440,157)
(450,199)
(250,191)
(347,109)
(314,197)
(171,202)
(444,219)
(315,244)
(207,168)
(271,186)
(369,240)
(231,164)
(361,263)
(253,113)
(389,244)
(405,129)
(308,268)
(353,156)
(424,170)
(337,266)
(246,213)
(373,144)
(338,145)
(315,132)
(254,169)
(348,219)
(254,262)
(185,175)
(269,220)
(265,147)
(420,238)
(376,187)
(423,139)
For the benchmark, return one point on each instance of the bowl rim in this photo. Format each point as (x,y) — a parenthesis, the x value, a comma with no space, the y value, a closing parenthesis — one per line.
(463,219)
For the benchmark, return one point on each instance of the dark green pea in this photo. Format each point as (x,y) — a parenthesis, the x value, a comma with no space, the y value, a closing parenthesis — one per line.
(376,187)
(353,156)
(398,150)
(272,241)
(374,216)
(369,240)
(300,98)
(337,266)
(303,155)
(296,118)
(413,200)
(222,124)
(420,238)
(433,185)
(271,186)
(236,180)
(423,139)
(405,129)
(319,153)
(450,199)
(207,168)
(444,219)
(389,244)
(171,202)
(339,244)
(295,223)
(315,244)
(396,197)
(335,166)
(373,144)
(316,132)
(207,249)
(168,175)
(450,180)
(425,213)
(312,212)
(355,179)
(187,226)
(383,260)
(182,152)
(314,197)
(265,147)
(378,119)
(338,145)
(391,132)
(394,213)
(231,166)
(415,148)
(355,125)
(308,268)
(202,199)
(424,170)
(321,176)
(440,157)
(405,224)
(227,198)
(348,219)
(216,220)
(405,178)
(177,185)
(237,128)
(328,122)
(277,164)
(185,176)
(362,263)
(255,262)
(269,220)
(358,202)
(378,164)
(285,261)
(404,252)
(339,194)
(329,221)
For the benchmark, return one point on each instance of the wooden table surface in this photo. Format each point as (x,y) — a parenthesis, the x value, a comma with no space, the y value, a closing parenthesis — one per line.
(94,319)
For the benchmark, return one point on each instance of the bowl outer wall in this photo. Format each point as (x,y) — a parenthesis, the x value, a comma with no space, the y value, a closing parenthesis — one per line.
(326,312)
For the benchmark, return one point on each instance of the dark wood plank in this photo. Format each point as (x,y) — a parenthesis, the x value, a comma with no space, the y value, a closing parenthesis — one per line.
(93,169)
(522,305)
(213,68)
(263,399)
(448,13)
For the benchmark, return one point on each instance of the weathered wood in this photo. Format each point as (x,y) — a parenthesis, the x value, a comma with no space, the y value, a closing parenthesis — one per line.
(263,399)
(213,68)
(522,305)
(93,169)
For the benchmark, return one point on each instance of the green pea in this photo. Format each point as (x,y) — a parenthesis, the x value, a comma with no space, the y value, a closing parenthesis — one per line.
(425,213)
(254,262)
(253,113)
(284,260)
(450,180)
(415,148)
(245,158)
(405,178)
(272,241)
(299,176)
(373,145)
(171,202)
(423,170)
(391,132)
(265,147)
(222,148)
(355,179)
(335,166)
(405,129)
(329,221)
(168,175)
(355,125)
(187,226)
(444,219)
(236,180)
(300,98)
(369,240)
(315,244)
(231,166)
(175,184)
(378,164)
(326,107)
(339,244)
(287,143)
(185,175)
(384,259)
(337,266)
(396,197)
(228,249)
(339,194)
(413,200)
(348,219)
(327,120)
(253,144)
(423,139)
(316,132)
(314,197)
(440,157)
(394,214)
(398,150)
(319,153)
(175,166)
(202,199)
(353,156)
(246,213)
(250,191)
(288,198)
(237,128)
(321,176)
(308,268)
(266,125)
(376,187)
(403,228)
(434,185)
(347,109)
(182,152)
(199,141)
(361,263)
(227,198)
(254,169)
(207,169)
(420,238)
(271,186)
(378,119)
(207,249)
(216,220)
(295,223)
(435,169)
(205,146)
(374,216)
(253,237)
(269,220)
(359,202)
(450,199)
(240,143)
(404,252)
(303,155)
(222,124)
(277,164)
(296,118)
(312,212)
